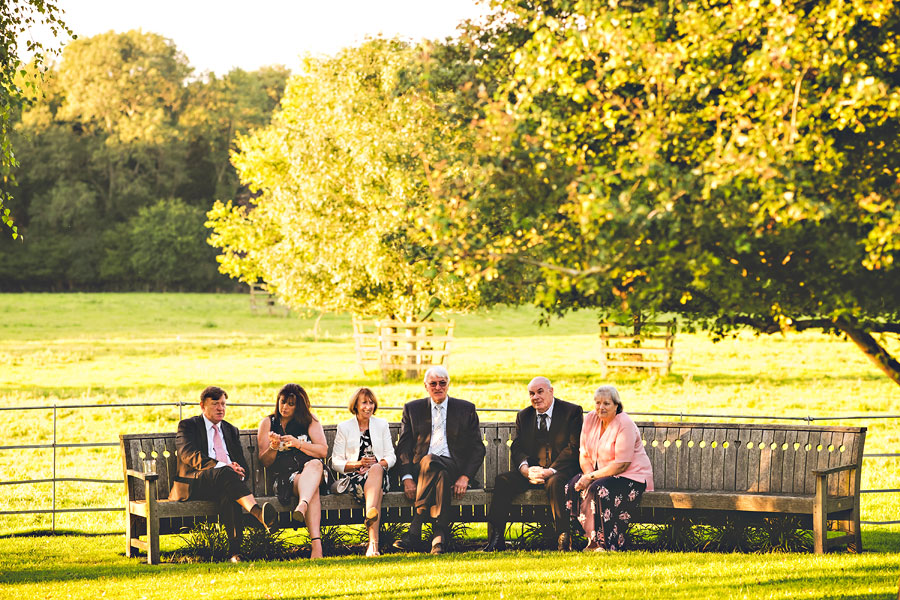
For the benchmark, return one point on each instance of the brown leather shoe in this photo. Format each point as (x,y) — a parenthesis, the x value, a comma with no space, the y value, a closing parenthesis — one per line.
(437,548)
(236,558)
(564,543)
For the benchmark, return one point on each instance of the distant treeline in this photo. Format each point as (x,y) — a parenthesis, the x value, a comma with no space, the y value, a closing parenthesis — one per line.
(122,153)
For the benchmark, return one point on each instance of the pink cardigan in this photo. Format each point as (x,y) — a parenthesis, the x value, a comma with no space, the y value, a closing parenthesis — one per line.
(621,442)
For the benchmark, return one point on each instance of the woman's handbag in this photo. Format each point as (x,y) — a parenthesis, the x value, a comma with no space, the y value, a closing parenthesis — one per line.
(340,486)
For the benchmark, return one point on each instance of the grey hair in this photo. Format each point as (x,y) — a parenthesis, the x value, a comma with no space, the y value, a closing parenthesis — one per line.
(437,370)
(610,391)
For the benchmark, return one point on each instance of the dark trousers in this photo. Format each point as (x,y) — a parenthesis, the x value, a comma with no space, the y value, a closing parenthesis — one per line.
(224,486)
(436,476)
(512,483)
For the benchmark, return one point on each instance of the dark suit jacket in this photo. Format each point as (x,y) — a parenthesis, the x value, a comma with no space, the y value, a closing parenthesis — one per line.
(565,437)
(463,436)
(192,445)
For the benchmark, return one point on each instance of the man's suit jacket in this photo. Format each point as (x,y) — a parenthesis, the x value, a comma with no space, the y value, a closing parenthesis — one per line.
(192,445)
(565,437)
(463,435)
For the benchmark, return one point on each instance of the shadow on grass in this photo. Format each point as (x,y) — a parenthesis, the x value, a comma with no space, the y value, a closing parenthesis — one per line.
(58,533)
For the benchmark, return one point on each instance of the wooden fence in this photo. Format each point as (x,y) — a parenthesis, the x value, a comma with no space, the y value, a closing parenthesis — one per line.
(405,346)
(638,345)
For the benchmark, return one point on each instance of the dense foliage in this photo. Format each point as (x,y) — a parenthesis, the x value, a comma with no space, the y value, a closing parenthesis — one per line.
(121,155)
(339,171)
(17,17)
(734,162)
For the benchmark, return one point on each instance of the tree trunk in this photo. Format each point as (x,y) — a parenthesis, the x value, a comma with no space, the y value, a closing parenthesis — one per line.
(871,348)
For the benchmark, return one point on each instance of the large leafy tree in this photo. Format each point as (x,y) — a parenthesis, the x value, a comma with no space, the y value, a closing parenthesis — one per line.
(120,124)
(338,173)
(734,161)
(16,18)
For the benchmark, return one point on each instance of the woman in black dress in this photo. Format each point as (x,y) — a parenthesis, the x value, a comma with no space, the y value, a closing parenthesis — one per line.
(292,443)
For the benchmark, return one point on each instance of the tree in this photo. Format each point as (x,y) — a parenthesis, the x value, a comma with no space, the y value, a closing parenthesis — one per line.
(117,125)
(220,108)
(735,162)
(167,249)
(338,172)
(17,17)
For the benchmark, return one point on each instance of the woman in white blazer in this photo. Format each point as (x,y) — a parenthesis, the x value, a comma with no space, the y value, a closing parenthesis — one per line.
(363,450)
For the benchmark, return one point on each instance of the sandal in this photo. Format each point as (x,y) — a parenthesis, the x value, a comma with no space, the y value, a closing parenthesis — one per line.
(300,515)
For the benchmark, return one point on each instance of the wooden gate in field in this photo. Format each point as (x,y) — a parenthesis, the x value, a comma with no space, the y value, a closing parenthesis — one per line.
(408,347)
(637,345)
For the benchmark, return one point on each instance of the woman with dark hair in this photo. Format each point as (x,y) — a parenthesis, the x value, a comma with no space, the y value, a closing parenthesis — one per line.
(292,443)
(363,450)
(615,472)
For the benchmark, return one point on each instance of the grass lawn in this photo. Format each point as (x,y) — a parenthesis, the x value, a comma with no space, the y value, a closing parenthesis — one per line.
(94,567)
(111,349)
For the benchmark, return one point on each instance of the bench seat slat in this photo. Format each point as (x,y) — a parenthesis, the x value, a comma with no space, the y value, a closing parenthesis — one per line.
(781,503)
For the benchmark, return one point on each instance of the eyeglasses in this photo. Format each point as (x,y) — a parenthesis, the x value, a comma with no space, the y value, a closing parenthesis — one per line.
(437,384)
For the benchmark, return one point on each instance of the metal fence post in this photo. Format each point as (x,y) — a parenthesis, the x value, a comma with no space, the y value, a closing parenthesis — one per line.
(53,523)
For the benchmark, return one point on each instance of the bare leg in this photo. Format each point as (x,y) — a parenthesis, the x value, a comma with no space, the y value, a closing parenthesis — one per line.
(313,520)
(374,493)
(307,483)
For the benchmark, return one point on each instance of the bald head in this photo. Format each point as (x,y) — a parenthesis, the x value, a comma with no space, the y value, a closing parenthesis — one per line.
(540,391)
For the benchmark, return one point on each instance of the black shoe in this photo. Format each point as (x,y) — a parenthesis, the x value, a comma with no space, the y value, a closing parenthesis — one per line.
(407,543)
(564,542)
(268,515)
(437,548)
(496,543)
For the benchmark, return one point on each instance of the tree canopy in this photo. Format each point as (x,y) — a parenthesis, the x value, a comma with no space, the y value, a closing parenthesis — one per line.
(734,162)
(17,17)
(121,135)
(337,175)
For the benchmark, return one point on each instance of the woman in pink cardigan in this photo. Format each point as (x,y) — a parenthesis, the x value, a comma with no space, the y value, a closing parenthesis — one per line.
(615,473)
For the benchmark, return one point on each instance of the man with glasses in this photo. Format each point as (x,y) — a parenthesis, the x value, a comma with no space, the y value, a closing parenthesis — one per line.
(545,453)
(439,451)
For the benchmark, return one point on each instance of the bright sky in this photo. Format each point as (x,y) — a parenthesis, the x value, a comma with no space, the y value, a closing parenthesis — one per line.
(218,35)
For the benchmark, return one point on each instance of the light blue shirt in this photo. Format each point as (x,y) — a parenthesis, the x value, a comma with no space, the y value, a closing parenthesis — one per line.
(439,429)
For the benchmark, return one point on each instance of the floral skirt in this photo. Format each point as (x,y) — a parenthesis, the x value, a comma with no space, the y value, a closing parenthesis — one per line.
(358,482)
(604,509)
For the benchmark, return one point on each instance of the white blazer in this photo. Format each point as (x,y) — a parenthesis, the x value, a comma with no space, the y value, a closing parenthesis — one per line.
(346,443)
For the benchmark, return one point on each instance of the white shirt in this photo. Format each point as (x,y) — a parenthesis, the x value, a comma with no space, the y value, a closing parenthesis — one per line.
(210,447)
(438,444)
(537,421)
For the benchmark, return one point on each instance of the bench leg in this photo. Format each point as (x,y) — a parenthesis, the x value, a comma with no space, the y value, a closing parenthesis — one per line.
(152,523)
(820,516)
(129,532)
(855,544)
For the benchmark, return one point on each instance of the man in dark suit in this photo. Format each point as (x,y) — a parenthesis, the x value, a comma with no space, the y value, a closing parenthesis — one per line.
(545,453)
(211,466)
(439,451)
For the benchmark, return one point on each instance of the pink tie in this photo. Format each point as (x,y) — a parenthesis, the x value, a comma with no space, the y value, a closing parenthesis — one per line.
(219,446)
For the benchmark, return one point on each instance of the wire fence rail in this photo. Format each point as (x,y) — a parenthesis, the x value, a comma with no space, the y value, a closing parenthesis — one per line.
(55,445)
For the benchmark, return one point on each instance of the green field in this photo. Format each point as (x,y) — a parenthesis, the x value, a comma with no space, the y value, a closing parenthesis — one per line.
(110,349)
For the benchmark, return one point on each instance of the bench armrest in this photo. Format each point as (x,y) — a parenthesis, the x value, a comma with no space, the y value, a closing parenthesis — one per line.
(824,472)
(141,475)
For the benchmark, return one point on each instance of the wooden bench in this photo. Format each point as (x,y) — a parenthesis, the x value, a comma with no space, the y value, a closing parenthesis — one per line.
(707,469)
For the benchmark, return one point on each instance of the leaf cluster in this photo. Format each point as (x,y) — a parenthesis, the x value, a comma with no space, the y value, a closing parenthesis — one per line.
(341,176)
